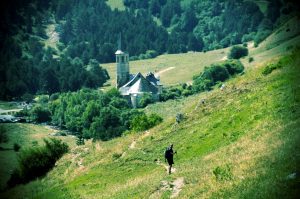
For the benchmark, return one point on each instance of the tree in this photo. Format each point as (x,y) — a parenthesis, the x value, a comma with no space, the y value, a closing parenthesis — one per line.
(237,52)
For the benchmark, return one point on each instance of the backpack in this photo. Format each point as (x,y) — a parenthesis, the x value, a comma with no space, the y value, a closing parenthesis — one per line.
(167,152)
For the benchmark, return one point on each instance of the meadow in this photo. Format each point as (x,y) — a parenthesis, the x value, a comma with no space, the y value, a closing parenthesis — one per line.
(242,143)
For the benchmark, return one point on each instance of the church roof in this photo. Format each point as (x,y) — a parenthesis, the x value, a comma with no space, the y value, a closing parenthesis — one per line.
(154,80)
(119,52)
(138,84)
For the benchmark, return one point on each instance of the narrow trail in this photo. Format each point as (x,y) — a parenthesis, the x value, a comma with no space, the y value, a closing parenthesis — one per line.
(134,142)
(177,187)
(165,70)
(132,145)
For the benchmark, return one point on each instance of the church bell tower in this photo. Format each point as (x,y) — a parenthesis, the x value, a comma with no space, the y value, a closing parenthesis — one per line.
(122,60)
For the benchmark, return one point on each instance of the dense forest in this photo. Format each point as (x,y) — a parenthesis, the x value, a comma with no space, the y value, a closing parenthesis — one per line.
(88,31)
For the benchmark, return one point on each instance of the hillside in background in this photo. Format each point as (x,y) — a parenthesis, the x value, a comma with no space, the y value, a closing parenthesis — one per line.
(46,47)
(239,133)
(242,143)
(280,42)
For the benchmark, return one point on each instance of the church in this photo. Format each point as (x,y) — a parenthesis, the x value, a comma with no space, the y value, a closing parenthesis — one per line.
(133,87)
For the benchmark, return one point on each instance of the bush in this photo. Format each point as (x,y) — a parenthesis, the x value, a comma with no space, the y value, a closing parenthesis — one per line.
(16,147)
(27,97)
(233,66)
(145,100)
(260,36)
(3,134)
(270,67)
(223,173)
(216,73)
(54,96)
(143,122)
(251,59)
(36,162)
(237,52)
(40,114)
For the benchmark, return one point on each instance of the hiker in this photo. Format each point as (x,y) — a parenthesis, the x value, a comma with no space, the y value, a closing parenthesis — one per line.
(169,156)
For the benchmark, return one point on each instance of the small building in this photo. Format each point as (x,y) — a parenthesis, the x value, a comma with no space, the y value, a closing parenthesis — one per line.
(133,87)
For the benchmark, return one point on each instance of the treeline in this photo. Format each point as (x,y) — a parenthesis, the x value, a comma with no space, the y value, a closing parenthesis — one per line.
(211,76)
(88,31)
(27,66)
(206,25)
(91,114)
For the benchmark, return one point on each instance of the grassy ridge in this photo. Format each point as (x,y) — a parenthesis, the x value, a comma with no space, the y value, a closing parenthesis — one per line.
(279,43)
(247,135)
(25,135)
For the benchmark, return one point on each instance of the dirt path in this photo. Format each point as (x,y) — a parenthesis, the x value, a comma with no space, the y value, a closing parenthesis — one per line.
(165,70)
(132,145)
(175,187)
(224,58)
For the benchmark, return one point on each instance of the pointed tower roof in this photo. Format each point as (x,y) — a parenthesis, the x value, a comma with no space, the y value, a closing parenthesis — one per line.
(119,51)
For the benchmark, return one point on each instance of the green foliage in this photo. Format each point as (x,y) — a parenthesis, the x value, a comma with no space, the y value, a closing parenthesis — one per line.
(251,59)
(216,73)
(233,66)
(16,147)
(270,67)
(143,122)
(36,162)
(116,156)
(27,97)
(40,114)
(223,173)
(92,113)
(148,55)
(145,100)
(3,134)
(80,139)
(237,52)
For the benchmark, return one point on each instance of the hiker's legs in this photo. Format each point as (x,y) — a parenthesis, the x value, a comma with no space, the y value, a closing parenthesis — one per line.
(170,167)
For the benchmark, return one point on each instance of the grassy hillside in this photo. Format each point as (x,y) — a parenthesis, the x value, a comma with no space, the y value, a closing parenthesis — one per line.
(243,143)
(168,66)
(25,135)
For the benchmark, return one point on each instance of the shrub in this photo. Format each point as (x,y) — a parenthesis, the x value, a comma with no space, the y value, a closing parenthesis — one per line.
(116,156)
(16,147)
(251,59)
(270,67)
(260,36)
(233,66)
(36,162)
(80,139)
(145,100)
(54,96)
(27,97)
(3,134)
(143,122)
(40,114)
(216,73)
(237,52)
(223,173)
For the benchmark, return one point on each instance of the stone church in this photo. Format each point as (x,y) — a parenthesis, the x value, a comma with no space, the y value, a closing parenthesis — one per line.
(133,87)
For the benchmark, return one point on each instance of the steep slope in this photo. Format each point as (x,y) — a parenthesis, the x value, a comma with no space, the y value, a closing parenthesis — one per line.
(242,143)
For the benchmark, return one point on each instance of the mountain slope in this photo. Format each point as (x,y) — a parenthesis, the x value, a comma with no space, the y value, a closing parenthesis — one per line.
(242,143)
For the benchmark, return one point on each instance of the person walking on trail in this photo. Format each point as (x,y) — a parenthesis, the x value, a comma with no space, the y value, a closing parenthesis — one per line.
(169,153)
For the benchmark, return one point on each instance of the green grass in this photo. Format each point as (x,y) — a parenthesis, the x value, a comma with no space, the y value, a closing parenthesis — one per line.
(247,133)
(8,105)
(116,4)
(187,65)
(26,135)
